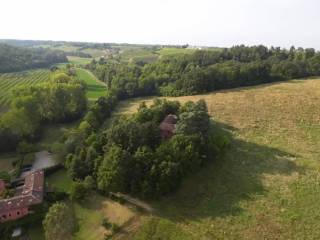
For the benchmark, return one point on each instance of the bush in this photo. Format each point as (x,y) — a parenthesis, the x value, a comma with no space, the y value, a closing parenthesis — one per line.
(5,176)
(28,159)
(106,224)
(78,191)
(115,228)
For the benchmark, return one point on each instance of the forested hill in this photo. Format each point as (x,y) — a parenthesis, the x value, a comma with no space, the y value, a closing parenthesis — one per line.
(207,70)
(18,58)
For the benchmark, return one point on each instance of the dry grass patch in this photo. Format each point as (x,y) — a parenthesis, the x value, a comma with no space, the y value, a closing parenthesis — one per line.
(91,213)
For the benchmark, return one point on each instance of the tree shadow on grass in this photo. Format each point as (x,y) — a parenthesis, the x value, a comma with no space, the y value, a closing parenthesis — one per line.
(218,188)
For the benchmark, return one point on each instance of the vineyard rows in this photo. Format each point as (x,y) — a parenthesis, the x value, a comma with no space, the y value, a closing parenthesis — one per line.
(10,80)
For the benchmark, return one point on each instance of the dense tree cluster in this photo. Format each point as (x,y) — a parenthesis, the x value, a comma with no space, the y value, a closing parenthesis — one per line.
(80,163)
(61,100)
(131,156)
(18,58)
(60,222)
(207,70)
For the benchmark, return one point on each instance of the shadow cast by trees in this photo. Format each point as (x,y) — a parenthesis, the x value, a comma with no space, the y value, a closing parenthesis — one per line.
(219,187)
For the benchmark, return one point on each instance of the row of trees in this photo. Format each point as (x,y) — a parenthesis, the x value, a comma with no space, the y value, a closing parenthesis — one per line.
(130,156)
(208,70)
(14,59)
(61,100)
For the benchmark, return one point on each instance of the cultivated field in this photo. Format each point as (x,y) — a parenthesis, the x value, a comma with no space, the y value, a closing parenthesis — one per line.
(10,80)
(267,185)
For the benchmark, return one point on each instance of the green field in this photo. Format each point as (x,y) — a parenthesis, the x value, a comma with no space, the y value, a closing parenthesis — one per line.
(10,80)
(60,181)
(175,51)
(95,88)
(138,54)
(91,213)
(79,60)
(266,185)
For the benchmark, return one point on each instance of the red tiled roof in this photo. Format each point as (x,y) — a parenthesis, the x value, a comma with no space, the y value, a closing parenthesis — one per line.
(168,126)
(171,119)
(32,193)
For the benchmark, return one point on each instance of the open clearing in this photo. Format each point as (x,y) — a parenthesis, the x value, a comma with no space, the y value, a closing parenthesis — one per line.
(91,213)
(95,88)
(267,185)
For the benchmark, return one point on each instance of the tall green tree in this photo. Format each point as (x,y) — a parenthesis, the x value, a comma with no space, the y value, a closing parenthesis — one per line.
(59,223)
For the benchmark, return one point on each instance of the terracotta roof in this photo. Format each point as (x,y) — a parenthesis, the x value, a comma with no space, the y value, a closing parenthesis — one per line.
(32,193)
(171,119)
(168,126)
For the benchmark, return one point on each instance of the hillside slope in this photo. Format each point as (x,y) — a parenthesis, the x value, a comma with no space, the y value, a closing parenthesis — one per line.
(266,186)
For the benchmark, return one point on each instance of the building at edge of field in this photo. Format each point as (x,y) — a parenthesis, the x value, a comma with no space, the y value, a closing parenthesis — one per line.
(31,193)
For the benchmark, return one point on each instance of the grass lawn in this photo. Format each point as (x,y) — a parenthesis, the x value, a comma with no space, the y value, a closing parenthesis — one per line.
(266,186)
(96,88)
(159,228)
(60,181)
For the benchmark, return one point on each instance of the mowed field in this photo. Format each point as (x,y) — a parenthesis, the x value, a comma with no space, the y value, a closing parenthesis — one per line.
(10,80)
(266,185)
(95,88)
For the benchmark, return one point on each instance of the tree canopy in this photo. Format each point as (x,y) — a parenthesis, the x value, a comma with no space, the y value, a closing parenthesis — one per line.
(131,156)
(206,70)
(59,223)
(14,59)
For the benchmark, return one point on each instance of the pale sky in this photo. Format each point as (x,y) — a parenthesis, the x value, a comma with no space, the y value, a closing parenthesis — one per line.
(220,23)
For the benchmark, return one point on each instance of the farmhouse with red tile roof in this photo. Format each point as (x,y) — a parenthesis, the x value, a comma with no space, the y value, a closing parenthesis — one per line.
(31,194)
(168,126)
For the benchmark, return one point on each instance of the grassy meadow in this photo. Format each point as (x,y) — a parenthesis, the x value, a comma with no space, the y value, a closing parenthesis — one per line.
(266,185)
(95,88)
(91,213)
(138,54)
(60,181)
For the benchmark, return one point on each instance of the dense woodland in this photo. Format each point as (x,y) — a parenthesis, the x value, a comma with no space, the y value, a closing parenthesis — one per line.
(131,156)
(19,58)
(207,70)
